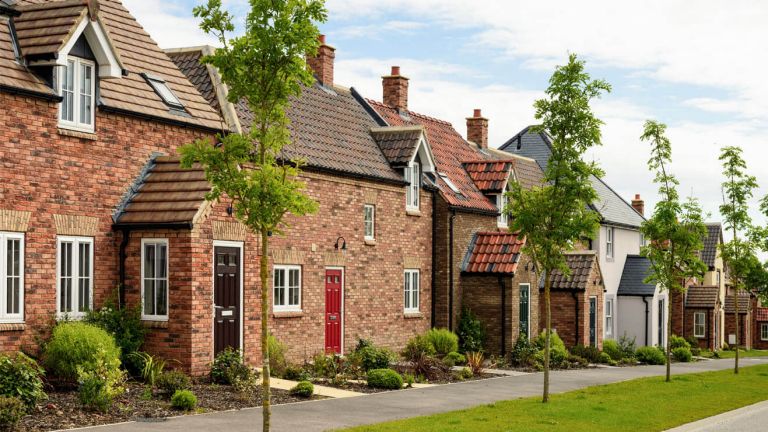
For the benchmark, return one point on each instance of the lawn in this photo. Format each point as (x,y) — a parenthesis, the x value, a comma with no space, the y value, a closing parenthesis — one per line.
(647,404)
(732,354)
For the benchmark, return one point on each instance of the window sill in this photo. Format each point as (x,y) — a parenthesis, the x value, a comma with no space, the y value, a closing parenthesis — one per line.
(413,212)
(155,324)
(288,314)
(7,327)
(370,242)
(413,315)
(78,134)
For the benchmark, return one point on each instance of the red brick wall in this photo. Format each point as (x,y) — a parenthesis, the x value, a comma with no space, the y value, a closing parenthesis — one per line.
(758,342)
(745,332)
(678,313)
(710,338)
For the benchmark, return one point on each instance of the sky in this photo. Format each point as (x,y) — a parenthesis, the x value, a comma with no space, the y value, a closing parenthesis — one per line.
(698,67)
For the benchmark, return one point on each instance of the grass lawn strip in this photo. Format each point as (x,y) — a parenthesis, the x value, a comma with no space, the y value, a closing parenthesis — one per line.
(742,354)
(647,404)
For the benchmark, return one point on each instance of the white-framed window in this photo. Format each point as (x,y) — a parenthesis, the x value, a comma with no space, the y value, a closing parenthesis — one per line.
(369,221)
(699,324)
(154,281)
(413,177)
(609,318)
(77,87)
(74,281)
(764,331)
(161,88)
(609,242)
(411,289)
(643,241)
(286,288)
(501,204)
(11,277)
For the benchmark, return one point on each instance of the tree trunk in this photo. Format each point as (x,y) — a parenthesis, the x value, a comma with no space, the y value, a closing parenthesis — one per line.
(736,304)
(670,310)
(266,409)
(548,336)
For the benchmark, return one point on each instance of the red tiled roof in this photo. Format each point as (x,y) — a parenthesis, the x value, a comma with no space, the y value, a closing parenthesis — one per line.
(762,314)
(493,252)
(489,176)
(450,150)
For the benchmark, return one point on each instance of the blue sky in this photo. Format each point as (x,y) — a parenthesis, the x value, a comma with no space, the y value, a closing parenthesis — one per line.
(699,67)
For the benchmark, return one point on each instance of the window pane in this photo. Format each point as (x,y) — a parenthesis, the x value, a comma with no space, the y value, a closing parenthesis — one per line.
(162,261)
(84,284)
(13,305)
(407,290)
(149,297)
(86,97)
(279,288)
(67,91)
(415,290)
(161,296)
(65,271)
(149,261)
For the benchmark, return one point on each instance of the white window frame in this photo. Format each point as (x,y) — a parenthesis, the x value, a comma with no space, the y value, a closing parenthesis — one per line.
(409,291)
(699,316)
(156,241)
(501,203)
(609,309)
(75,276)
(6,318)
(764,331)
(76,124)
(413,177)
(609,243)
(369,223)
(287,307)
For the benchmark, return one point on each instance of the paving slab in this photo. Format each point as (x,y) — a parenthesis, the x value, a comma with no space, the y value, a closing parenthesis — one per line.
(749,418)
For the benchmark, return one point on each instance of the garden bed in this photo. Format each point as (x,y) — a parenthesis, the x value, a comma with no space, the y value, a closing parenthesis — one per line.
(63,410)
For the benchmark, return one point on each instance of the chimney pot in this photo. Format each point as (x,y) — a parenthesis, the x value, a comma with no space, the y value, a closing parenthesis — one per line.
(322,63)
(395,70)
(477,129)
(321,38)
(638,204)
(395,88)
(478,112)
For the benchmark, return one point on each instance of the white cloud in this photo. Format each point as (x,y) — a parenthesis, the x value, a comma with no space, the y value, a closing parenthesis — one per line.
(170,23)
(379,30)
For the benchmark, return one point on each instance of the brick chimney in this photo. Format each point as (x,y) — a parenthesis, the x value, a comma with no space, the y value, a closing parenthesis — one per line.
(638,204)
(322,64)
(395,89)
(477,129)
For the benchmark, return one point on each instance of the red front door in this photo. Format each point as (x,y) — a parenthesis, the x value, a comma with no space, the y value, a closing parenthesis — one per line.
(333,318)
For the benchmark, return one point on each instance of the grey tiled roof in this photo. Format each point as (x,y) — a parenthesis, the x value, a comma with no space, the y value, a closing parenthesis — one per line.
(743,304)
(702,296)
(632,283)
(713,238)
(611,207)
(398,143)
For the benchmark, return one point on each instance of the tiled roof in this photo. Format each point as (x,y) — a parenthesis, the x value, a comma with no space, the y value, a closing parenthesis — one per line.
(493,252)
(489,176)
(330,130)
(730,306)
(632,283)
(450,151)
(189,64)
(711,241)
(166,194)
(611,207)
(761,314)
(528,173)
(581,264)
(44,25)
(398,143)
(702,296)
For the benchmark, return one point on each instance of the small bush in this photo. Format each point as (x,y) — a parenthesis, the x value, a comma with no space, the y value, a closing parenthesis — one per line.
(327,365)
(303,389)
(682,354)
(125,326)
(101,381)
(277,363)
(592,354)
(692,341)
(385,379)
(12,410)
(295,373)
(184,400)
(523,353)
(627,346)
(650,355)
(76,344)
(245,382)
(417,348)
(466,373)
(695,351)
(171,381)
(21,377)
(576,360)
(611,347)
(453,358)
(408,380)
(443,340)
(151,367)
(678,342)
(606,359)
(475,362)
(471,332)
(558,354)
(227,366)
(372,357)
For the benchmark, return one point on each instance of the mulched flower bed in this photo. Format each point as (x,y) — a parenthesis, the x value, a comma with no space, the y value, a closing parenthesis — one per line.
(63,410)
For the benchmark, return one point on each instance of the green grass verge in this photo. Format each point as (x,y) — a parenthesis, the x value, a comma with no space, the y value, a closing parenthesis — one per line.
(647,404)
(732,354)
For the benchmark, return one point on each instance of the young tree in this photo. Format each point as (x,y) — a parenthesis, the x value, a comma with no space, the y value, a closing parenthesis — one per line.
(264,67)
(555,217)
(737,253)
(675,231)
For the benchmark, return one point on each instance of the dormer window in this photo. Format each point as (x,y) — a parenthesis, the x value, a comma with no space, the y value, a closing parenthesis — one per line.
(162,89)
(413,177)
(501,203)
(77,87)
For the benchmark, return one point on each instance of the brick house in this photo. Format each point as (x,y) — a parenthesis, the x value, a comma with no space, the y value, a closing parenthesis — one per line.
(746,318)
(87,99)
(361,267)
(760,340)
(471,180)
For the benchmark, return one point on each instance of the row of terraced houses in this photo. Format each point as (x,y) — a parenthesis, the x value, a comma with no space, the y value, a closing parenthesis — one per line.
(93,202)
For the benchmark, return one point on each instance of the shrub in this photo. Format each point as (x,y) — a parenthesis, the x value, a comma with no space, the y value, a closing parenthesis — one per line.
(650,355)
(682,354)
(385,379)
(372,357)
(171,381)
(76,344)
(21,377)
(151,367)
(245,382)
(408,380)
(303,389)
(101,381)
(418,347)
(575,360)
(606,359)
(227,366)
(558,354)
(12,410)
(627,346)
(475,362)
(523,353)
(592,354)
(453,358)
(611,347)
(678,342)
(466,373)
(184,400)
(443,340)
(125,326)
(471,332)
(327,365)
(692,341)
(277,363)
(695,351)
(295,373)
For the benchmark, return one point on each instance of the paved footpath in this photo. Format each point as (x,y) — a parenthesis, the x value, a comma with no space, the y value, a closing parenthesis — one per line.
(339,413)
(749,418)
